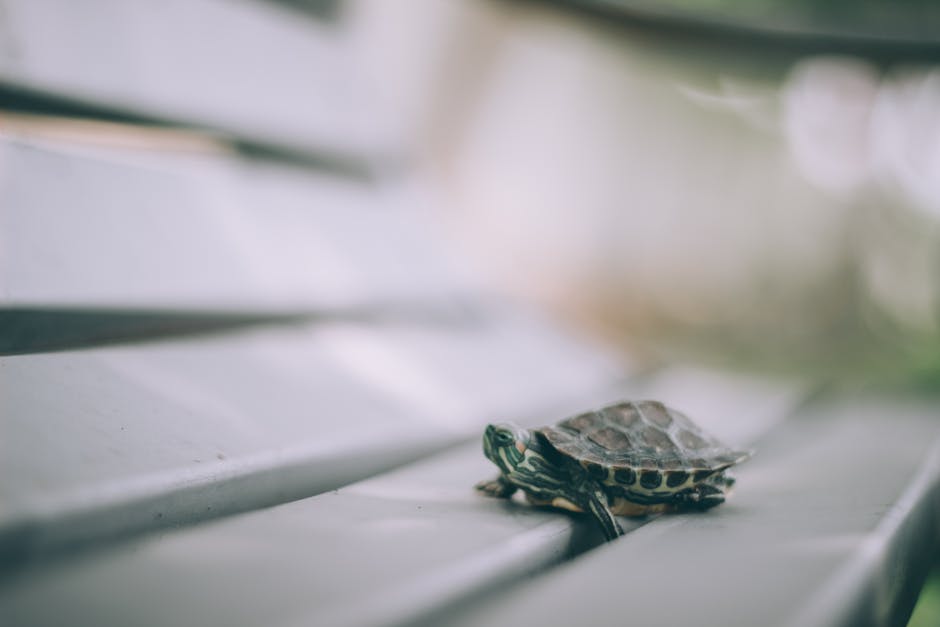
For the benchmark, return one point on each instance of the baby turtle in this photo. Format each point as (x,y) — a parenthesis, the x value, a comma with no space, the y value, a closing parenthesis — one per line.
(632,458)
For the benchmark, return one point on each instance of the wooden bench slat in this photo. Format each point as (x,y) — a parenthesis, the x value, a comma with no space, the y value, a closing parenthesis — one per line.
(25,330)
(210,233)
(250,69)
(394,548)
(122,439)
(834,522)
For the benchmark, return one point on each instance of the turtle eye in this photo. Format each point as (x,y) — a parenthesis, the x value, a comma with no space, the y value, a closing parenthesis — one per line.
(504,438)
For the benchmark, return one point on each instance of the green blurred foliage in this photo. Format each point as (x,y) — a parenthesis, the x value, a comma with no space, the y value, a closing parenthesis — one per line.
(927,611)
(898,17)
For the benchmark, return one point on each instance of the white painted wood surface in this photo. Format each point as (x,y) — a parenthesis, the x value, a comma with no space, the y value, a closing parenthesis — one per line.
(403,546)
(124,230)
(254,70)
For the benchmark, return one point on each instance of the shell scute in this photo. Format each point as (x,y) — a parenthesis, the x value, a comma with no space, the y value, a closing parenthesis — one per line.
(623,414)
(651,479)
(642,443)
(676,478)
(596,471)
(691,440)
(610,438)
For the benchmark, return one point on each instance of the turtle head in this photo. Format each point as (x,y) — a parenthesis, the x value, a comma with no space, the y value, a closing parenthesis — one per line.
(505,445)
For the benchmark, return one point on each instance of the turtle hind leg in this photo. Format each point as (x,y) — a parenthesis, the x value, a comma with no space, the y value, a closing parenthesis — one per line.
(701,497)
(723,481)
(497,488)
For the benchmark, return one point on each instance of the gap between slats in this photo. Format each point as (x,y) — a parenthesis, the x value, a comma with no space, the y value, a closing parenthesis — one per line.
(29,330)
(54,116)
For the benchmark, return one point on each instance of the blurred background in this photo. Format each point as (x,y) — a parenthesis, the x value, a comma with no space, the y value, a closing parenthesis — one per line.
(752,184)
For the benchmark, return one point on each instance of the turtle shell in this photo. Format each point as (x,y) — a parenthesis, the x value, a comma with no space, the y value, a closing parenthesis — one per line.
(643,444)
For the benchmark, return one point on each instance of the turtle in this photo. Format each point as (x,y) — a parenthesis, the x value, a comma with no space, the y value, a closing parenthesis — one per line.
(631,458)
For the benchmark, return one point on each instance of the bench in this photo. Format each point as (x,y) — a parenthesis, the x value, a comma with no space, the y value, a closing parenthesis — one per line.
(244,376)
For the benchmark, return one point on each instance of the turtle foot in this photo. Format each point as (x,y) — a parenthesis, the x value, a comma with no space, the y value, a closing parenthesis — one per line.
(496,488)
(702,497)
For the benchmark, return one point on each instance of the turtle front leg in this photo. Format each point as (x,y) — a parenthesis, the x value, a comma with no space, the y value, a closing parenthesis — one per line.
(597,505)
(498,488)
